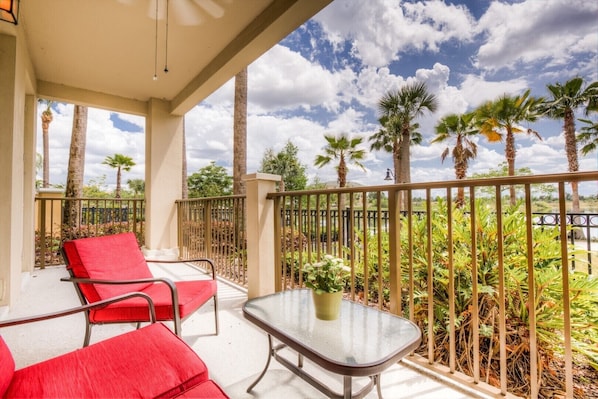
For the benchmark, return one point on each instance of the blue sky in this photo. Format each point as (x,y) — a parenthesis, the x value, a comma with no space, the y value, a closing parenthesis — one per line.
(328,76)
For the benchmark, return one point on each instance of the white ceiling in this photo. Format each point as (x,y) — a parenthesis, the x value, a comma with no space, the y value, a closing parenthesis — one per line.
(104,51)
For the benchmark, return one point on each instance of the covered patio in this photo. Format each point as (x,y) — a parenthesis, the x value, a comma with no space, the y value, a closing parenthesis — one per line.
(122,56)
(235,357)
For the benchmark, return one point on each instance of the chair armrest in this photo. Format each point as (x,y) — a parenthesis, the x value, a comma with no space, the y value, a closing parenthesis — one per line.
(174,295)
(84,280)
(67,312)
(209,261)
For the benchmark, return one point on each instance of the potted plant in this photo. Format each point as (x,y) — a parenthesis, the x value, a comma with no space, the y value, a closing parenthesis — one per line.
(326,279)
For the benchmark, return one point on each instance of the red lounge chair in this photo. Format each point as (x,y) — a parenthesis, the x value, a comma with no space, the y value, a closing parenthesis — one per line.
(108,266)
(150,362)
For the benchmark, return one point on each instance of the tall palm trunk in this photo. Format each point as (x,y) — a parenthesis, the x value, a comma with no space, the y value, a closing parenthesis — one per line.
(76,168)
(571,150)
(46,120)
(118,182)
(404,175)
(184,185)
(240,132)
(510,154)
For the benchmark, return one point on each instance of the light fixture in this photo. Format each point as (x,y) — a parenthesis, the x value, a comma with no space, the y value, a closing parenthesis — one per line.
(9,11)
(389,175)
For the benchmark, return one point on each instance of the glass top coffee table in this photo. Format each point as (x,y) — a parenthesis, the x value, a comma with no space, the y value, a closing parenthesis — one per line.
(363,341)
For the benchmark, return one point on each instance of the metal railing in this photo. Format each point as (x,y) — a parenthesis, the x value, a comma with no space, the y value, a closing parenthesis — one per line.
(466,275)
(215,228)
(97,217)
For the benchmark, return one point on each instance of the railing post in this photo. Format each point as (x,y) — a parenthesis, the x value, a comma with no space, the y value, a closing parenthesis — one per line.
(260,234)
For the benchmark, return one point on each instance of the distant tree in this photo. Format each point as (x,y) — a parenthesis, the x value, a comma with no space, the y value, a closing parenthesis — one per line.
(119,162)
(76,171)
(460,128)
(47,118)
(96,188)
(137,186)
(345,150)
(287,165)
(210,181)
(503,170)
(500,119)
(566,98)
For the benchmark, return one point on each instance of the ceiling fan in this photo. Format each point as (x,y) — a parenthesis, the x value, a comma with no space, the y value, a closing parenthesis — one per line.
(185,12)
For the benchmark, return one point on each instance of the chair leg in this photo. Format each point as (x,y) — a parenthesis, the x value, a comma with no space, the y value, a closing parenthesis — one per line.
(87,333)
(177,325)
(216,313)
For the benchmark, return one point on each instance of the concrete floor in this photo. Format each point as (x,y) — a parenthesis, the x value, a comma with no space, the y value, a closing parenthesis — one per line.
(235,357)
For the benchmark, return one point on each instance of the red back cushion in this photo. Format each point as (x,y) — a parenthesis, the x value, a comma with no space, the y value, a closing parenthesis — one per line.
(7,367)
(113,257)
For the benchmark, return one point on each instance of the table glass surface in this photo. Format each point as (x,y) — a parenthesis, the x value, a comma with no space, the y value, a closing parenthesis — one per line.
(360,336)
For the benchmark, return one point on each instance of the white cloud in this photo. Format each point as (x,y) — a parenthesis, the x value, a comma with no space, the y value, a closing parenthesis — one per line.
(536,31)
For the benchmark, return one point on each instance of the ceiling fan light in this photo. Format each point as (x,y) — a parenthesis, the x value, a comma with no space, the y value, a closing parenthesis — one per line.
(9,11)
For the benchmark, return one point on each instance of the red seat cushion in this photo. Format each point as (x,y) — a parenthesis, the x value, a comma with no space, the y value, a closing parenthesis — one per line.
(207,389)
(148,362)
(7,367)
(112,257)
(191,294)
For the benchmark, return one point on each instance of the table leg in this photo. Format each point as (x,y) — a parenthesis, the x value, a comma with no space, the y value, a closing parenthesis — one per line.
(347,387)
(378,387)
(270,355)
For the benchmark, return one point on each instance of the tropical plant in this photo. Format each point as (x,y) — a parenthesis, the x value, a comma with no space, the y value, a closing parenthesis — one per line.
(460,128)
(210,181)
(500,119)
(566,98)
(346,150)
(398,109)
(119,162)
(286,164)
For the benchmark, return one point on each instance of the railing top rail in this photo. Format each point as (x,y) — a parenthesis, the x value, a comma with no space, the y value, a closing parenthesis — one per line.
(493,181)
(90,198)
(209,198)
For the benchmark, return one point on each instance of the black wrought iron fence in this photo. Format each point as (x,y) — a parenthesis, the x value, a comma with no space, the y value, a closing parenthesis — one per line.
(97,217)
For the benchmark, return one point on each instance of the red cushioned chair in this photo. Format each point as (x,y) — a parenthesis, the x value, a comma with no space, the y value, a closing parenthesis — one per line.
(108,266)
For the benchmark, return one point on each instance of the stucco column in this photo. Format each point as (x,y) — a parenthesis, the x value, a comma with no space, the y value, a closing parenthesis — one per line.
(12,104)
(260,234)
(163,168)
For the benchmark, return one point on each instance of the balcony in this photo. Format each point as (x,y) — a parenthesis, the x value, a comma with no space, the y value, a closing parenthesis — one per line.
(235,357)
(486,260)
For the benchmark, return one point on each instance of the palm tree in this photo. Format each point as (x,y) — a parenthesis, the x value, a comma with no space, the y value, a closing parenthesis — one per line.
(399,109)
(47,118)
(565,100)
(345,150)
(76,169)
(460,127)
(240,132)
(119,162)
(588,137)
(501,118)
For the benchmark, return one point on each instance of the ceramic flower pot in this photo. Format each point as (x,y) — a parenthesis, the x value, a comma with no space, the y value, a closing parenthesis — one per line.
(327,305)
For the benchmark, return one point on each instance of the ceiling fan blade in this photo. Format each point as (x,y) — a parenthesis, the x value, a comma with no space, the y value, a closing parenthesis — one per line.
(185,12)
(211,8)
